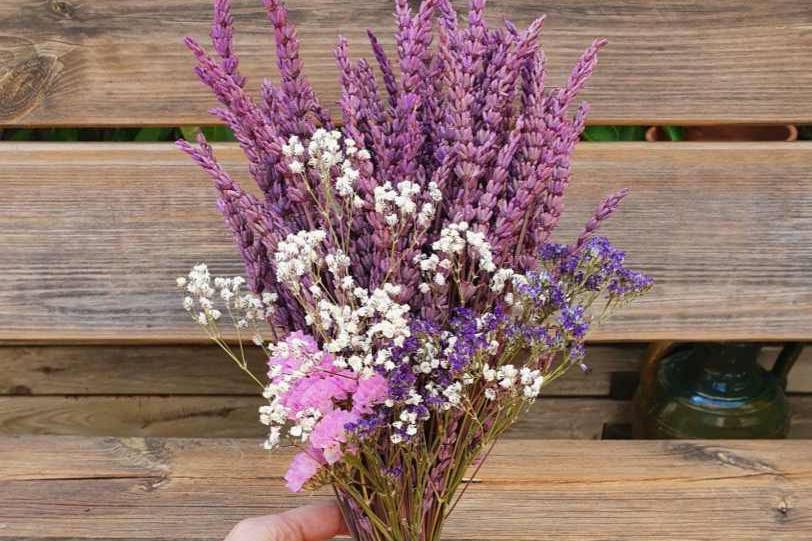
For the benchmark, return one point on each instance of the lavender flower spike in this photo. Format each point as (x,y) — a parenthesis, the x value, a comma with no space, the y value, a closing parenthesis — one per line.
(222,37)
(601,214)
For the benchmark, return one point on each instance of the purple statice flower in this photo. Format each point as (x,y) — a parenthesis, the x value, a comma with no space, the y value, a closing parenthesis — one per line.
(367,425)
(573,321)
(596,265)
(551,251)
(543,290)
(628,282)
(576,352)
(468,338)
(401,380)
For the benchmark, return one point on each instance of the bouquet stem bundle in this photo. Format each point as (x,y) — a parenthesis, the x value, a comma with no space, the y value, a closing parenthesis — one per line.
(400,272)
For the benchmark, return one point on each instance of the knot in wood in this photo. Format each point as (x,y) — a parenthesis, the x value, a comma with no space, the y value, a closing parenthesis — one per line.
(62,8)
(783,509)
(25,76)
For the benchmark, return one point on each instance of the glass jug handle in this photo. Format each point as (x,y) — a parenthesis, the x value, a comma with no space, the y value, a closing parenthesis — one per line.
(785,360)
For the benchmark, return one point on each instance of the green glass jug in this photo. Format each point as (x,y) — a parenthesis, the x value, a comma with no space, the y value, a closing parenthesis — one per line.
(714,391)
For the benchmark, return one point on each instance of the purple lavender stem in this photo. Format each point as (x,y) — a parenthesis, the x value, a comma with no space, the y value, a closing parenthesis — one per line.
(606,208)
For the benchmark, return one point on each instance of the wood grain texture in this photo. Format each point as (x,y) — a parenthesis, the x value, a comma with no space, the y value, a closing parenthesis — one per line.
(81,488)
(110,62)
(236,416)
(94,234)
(201,370)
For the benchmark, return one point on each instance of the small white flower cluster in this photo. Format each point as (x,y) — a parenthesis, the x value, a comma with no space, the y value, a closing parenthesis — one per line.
(396,204)
(510,378)
(504,276)
(476,240)
(345,184)
(355,332)
(325,152)
(296,255)
(500,278)
(203,293)
(293,147)
(454,238)
(352,328)
(429,208)
(433,264)
(407,422)
(399,203)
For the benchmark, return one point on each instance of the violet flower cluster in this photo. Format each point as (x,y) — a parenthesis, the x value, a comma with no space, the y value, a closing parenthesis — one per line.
(400,273)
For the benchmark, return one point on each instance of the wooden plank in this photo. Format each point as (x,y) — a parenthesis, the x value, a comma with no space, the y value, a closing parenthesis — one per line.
(237,417)
(124,370)
(109,62)
(82,488)
(201,370)
(94,234)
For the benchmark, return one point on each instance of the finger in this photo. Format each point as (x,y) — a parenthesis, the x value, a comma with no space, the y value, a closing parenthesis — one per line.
(317,522)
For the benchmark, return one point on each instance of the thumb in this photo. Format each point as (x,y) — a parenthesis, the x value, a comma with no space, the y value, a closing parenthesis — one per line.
(317,522)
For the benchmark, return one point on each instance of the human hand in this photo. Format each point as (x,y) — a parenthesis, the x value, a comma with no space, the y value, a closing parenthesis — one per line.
(317,522)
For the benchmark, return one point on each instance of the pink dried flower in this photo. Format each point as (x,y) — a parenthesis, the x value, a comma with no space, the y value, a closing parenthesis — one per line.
(319,390)
(370,392)
(302,468)
(330,433)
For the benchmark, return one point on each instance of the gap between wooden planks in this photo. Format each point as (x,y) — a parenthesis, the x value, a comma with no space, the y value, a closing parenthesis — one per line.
(91,488)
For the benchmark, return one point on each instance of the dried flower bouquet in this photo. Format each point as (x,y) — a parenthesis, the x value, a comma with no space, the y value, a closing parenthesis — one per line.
(400,273)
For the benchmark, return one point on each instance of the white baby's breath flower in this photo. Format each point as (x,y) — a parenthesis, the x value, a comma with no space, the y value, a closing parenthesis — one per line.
(500,278)
(434,192)
(296,167)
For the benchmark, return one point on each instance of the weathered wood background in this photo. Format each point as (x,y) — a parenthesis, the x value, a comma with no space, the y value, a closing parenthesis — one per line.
(93,341)
(73,62)
(94,235)
(172,391)
(529,490)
